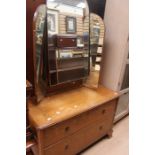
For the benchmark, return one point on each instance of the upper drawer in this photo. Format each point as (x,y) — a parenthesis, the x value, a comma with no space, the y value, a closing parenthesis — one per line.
(63,42)
(54,133)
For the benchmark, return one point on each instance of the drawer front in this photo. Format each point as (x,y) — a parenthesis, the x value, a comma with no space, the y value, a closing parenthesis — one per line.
(72,62)
(80,140)
(66,42)
(55,133)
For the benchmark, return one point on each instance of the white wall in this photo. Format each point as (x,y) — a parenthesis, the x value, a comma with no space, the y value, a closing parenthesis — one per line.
(116,36)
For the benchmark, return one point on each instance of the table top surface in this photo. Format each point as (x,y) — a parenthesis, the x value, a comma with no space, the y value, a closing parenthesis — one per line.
(56,108)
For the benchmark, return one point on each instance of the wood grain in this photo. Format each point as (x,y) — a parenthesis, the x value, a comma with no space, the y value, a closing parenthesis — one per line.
(78,141)
(57,108)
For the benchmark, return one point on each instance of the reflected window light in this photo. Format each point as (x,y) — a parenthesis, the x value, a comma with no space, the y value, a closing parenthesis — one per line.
(51,0)
(81,5)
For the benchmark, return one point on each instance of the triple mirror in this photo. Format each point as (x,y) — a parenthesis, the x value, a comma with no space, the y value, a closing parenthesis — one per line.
(68,43)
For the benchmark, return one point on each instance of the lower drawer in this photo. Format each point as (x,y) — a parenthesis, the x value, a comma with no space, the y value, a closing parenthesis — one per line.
(78,141)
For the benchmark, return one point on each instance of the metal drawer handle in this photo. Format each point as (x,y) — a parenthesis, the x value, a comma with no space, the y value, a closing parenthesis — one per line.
(66,147)
(73,40)
(103,111)
(67,128)
(61,39)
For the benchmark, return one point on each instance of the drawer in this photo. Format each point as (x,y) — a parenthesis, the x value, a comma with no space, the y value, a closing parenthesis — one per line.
(79,140)
(55,133)
(72,62)
(66,42)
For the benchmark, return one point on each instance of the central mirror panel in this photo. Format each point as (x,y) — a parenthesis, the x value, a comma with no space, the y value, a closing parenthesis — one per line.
(67,51)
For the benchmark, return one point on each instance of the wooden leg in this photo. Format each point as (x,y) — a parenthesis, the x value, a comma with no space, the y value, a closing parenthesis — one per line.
(109,134)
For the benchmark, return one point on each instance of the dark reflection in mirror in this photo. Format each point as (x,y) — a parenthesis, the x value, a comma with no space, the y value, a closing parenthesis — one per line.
(96,49)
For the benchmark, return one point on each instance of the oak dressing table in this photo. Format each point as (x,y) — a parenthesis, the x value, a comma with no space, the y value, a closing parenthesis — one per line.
(69,122)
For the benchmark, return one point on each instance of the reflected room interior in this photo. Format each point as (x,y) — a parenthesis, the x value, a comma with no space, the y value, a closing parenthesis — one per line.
(96,49)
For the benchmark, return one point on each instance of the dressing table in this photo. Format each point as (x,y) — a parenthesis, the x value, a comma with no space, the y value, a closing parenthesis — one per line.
(68,120)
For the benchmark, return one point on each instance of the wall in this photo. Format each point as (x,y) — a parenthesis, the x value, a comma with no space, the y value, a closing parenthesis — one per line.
(64,11)
(62,23)
(116,21)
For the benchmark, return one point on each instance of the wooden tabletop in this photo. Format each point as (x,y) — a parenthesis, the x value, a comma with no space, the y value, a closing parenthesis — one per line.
(56,108)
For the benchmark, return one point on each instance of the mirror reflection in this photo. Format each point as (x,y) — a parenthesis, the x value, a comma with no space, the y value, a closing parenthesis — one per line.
(61,44)
(96,49)
(68,41)
(39,23)
(38,35)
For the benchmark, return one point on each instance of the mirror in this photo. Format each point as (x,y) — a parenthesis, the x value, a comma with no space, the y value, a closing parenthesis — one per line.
(68,41)
(39,20)
(96,49)
(38,33)
(68,45)
(61,44)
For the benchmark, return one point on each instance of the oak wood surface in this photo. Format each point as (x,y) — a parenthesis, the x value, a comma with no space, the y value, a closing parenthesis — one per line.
(57,108)
(69,122)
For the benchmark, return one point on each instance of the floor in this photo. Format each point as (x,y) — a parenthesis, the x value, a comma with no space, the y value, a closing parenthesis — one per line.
(117,145)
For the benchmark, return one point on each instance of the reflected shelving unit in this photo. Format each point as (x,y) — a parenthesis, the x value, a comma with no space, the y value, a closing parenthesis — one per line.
(67,61)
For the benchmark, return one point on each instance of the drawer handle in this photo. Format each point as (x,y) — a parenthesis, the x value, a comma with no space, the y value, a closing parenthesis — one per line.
(73,40)
(103,111)
(61,39)
(67,128)
(66,147)
(101,127)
